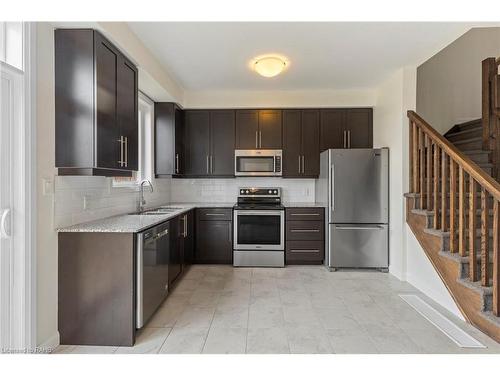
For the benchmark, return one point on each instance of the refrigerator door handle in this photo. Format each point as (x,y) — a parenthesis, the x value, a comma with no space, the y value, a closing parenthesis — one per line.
(332,187)
(372,227)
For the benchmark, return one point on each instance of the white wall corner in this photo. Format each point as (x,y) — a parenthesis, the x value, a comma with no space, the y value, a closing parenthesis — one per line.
(50,344)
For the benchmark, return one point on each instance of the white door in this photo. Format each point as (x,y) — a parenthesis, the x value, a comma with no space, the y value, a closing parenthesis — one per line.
(8,119)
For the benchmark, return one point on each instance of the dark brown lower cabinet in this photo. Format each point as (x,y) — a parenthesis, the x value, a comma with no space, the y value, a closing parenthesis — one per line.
(96,293)
(214,240)
(305,235)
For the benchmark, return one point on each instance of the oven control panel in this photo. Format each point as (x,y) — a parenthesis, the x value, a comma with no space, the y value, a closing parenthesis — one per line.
(260,192)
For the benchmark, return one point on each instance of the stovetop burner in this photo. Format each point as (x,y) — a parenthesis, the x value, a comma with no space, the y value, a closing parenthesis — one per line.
(251,198)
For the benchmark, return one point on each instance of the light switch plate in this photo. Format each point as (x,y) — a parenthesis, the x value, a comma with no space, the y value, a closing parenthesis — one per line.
(47,186)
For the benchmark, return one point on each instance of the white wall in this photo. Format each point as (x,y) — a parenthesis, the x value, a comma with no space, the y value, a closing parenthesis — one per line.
(269,99)
(408,261)
(226,190)
(449,83)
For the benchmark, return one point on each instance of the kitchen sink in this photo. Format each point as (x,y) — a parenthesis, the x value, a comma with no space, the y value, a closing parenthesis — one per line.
(160,211)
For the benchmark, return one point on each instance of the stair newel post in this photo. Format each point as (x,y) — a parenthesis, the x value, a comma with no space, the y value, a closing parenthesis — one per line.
(436,174)
(428,171)
(496,258)
(453,202)
(462,251)
(421,170)
(473,274)
(485,238)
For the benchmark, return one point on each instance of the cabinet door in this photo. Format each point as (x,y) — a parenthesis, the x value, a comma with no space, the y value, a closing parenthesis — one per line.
(109,150)
(196,142)
(247,129)
(126,102)
(222,134)
(270,129)
(164,139)
(359,124)
(175,261)
(310,143)
(214,242)
(332,128)
(179,141)
(292,143)
(189,239)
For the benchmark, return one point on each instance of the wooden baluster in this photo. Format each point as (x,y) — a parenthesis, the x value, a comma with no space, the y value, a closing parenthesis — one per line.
(473,274)
(428,171)
(485,239)
(435,175)
(461,213)
(415,156)
(453,202)
(421,140)
(496,258)
(444,191)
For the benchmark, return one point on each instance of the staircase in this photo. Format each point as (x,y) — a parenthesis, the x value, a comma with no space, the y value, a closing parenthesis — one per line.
(453,210)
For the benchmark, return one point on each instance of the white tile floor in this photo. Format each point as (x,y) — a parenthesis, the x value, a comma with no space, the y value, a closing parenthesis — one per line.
(221,309)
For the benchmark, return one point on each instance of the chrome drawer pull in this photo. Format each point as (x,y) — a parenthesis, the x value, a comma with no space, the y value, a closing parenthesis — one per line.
(304,251)
(214,214)
(304,214)
(305,230)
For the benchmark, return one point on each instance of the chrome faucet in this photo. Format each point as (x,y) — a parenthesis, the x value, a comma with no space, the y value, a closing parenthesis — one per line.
(142,201)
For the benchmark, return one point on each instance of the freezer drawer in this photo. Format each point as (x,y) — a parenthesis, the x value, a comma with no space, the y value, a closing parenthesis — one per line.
(358,245)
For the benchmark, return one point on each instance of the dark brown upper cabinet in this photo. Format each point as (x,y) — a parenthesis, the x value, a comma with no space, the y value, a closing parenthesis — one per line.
(95,106)
(301,143)
(169,140)
(209,143)
(258,129)
(346,128)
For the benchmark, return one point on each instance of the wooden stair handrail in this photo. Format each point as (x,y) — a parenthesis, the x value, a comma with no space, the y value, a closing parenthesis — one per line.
(482,178)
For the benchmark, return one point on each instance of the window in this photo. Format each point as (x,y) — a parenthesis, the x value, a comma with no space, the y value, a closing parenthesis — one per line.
(146,140)
(11,44)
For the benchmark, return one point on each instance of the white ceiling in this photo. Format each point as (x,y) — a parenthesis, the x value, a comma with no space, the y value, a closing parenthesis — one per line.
(215,56)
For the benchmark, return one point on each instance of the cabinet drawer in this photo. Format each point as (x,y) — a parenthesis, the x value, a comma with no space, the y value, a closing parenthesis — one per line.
(305,252)
(305,213)
(305,231)
(220,214)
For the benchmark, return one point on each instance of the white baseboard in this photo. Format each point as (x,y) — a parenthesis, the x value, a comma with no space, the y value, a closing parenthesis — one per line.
(50,344)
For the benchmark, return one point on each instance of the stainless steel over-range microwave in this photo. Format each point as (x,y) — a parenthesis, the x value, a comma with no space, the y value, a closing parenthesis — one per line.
(257,162)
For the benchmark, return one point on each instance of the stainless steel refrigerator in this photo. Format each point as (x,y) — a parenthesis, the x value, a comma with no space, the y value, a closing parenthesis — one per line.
(354,187)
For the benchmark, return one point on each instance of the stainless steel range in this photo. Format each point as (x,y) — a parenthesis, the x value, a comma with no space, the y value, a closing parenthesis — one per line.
(259,228)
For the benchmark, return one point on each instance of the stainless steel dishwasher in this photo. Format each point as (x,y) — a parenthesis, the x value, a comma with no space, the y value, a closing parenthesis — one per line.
(152,270)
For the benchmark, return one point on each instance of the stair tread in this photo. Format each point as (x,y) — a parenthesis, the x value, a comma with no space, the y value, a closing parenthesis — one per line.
(466,131)
(478,151)
(470,122)
(470,140)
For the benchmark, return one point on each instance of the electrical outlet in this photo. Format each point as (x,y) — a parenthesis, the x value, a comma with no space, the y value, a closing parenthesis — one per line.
(47,187)
(85,202)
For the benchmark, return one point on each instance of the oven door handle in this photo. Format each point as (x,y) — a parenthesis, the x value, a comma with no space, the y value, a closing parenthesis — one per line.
(258,213)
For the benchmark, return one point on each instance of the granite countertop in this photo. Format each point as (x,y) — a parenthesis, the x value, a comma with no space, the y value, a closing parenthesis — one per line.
(134,223)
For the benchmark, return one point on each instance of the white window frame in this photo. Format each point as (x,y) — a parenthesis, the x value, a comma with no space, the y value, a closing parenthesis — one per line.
(145,143)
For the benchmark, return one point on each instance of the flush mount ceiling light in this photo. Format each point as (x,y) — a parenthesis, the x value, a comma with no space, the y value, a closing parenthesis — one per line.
(269,66)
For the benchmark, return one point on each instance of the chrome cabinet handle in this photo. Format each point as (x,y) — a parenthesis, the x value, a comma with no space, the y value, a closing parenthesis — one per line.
(211,164)
(303,165)
(185,226)
(304,214)
(208,164)
(176,163)
(299,164)
(260,139)
(256,139)
(214,214)
(120,162)
(304,251)
(348,139)
(126,151)
(304,230)
(345,139)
